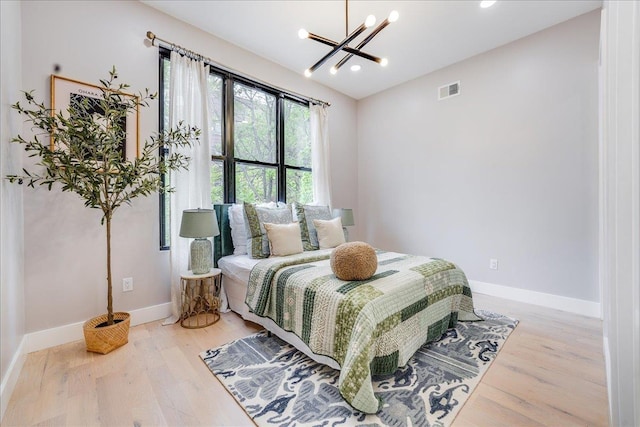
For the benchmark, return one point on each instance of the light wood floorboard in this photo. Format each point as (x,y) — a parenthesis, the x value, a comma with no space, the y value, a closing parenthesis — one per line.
(550,372)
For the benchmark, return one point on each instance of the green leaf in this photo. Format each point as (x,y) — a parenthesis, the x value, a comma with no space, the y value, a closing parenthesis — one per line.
(86,157)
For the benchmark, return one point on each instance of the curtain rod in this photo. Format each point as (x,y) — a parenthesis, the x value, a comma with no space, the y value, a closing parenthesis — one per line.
(193,55)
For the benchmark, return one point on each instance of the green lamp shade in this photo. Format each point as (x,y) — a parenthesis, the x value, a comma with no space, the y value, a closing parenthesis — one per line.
(346,216)
(200,224)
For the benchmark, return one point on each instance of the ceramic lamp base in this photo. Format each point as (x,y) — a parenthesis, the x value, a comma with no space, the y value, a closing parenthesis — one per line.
(201,256)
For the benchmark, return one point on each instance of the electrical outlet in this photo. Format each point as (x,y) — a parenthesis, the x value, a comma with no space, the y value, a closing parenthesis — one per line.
(493,264)
(127,284)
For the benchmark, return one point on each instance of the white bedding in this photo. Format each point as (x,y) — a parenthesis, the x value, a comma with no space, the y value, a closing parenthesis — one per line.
(237,266)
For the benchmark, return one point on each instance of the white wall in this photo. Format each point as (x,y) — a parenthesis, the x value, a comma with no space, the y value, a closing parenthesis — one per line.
(12,307)
(620,200)
(64,242)
(507,170)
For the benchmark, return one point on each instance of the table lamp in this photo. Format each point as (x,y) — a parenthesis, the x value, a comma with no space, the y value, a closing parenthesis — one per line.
(200,224)
(346,217)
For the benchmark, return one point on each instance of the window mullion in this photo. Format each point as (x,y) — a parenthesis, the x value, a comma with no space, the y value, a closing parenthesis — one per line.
(298,168)
(229,165)
(282,173)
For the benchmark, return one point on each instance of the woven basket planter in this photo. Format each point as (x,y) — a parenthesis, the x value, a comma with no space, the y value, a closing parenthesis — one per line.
(106,338)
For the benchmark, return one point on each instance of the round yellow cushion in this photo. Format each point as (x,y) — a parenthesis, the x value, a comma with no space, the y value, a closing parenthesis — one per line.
(354,261)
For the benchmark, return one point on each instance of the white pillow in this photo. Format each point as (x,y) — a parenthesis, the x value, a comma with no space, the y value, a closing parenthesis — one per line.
(284,239)
(238,230)
(330,232)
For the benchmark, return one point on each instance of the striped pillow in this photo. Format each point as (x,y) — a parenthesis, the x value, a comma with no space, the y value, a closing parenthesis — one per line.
(255,217)
(306,214)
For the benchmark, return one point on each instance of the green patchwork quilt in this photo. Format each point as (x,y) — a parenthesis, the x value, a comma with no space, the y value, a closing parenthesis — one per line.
(369,327)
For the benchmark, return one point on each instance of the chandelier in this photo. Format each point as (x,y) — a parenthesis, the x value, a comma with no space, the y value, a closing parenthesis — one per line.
(344,44)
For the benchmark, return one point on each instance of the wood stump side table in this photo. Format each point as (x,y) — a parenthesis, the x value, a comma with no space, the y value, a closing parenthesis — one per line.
(200,298)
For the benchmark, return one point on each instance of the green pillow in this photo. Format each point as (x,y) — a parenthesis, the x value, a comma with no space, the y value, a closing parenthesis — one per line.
(306,214)
(255,217)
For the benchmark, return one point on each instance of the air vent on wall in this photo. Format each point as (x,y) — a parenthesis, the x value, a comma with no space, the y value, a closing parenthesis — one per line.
(449,90)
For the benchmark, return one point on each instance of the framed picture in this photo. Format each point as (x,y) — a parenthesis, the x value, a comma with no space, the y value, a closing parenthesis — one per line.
(65,92)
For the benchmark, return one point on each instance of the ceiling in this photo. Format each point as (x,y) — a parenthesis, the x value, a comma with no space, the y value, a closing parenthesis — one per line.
(428,35)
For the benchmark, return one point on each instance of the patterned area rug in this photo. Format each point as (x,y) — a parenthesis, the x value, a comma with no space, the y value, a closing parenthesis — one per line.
(278,385)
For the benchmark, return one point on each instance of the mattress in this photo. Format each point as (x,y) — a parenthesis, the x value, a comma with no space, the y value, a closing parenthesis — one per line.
(237,267)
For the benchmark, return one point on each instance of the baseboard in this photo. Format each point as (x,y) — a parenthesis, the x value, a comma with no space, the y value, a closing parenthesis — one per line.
(10,380)
(68,333)
(572,305)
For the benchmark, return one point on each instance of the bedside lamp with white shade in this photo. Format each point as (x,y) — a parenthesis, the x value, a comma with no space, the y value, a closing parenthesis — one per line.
(346,217)
(200,224)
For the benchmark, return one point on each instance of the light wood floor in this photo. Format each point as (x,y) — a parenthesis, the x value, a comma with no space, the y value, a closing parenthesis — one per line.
(549,372)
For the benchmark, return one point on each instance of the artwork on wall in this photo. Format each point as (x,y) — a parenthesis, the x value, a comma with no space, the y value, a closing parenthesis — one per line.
(67,92)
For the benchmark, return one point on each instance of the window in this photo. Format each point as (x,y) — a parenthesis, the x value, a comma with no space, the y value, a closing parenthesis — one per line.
(255,144)
(216,108)
(297,152)
(260,142)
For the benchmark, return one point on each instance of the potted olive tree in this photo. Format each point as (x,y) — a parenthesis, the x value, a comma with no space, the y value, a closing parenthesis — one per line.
(87,158)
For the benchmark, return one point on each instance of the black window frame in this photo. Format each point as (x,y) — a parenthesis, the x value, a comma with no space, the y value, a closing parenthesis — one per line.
(227,157)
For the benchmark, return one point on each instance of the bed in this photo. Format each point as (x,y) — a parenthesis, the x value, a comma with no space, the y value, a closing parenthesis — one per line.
(362,328)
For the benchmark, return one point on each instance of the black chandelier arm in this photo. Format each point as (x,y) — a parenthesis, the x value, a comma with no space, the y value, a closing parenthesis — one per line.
(374,33)
(348,49)
(322,39)
(338,47)
(340,63)
(362,44)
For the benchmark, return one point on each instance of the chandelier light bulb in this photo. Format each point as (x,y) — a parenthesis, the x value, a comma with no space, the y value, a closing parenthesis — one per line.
(307,73)
(384,62)
(393,16)
(487,3)
(371,20)
(355,67)
(303,34)
(333,70)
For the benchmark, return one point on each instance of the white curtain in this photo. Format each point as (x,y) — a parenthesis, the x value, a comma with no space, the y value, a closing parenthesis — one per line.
(188,103)
(320,154)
